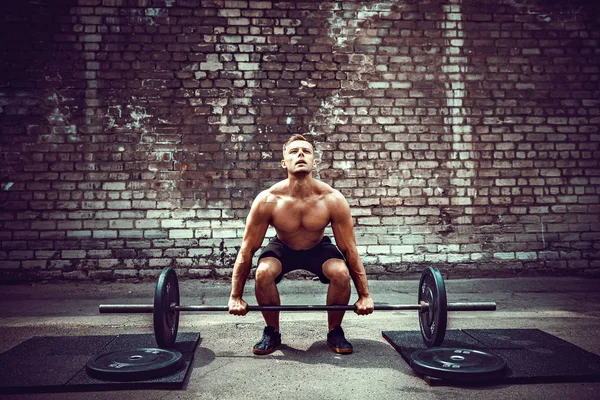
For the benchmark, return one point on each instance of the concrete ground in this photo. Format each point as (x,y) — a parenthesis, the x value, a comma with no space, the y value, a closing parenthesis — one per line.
(304,367)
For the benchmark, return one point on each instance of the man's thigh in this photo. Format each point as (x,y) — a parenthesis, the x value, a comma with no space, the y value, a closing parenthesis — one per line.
(335,268)
(268,268)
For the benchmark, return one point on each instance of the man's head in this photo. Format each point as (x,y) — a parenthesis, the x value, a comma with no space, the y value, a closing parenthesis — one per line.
(298,155)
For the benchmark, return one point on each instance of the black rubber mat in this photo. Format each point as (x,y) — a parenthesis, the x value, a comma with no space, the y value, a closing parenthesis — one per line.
(532,356)
(57,364)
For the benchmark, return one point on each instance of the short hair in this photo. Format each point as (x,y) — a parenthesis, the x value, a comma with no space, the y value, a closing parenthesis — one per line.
(294,138)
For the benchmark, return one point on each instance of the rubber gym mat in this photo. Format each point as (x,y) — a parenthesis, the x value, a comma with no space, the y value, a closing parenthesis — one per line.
(57,364)
(532,355)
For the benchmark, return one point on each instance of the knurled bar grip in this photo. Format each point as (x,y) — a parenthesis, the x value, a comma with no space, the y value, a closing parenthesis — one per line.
(149,309)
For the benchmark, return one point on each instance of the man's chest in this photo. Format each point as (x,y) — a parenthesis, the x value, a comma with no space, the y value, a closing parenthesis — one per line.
(292,215)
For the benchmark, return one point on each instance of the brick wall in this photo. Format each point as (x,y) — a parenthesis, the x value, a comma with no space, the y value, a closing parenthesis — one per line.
(134,134)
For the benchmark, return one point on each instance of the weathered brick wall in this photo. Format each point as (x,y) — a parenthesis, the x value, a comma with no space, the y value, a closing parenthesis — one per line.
(134,134)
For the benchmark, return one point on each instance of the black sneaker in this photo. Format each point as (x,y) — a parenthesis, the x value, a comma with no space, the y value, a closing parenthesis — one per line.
(337,341)
(269,341)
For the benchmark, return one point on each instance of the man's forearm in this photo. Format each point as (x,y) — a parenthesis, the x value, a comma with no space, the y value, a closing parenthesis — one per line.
(241,270)
(358,275)
(360,282)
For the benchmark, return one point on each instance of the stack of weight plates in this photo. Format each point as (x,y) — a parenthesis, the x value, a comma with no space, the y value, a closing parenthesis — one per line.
(457,364)
(135,364)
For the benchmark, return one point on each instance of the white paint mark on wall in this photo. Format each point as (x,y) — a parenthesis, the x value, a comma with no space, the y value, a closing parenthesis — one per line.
(138,121)
(345,30)
(156,12)
(8,185)
(454,67)
(326,117)
(91,92)
(337,28)
(329,113)
(138,114)
(543,233)
(529,10)
(212,63)
(54,78)
(59,115)
(345,165)
(112,121)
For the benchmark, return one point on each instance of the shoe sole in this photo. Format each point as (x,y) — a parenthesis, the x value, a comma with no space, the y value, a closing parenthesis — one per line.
(264,352)
(338,350)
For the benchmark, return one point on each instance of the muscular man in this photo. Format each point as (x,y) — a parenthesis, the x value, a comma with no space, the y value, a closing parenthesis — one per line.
(299,208)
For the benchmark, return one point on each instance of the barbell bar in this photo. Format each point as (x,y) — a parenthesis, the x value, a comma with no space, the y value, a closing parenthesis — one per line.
(432,307)
(149,309)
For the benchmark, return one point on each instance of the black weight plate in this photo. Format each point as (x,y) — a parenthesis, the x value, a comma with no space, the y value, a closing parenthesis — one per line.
(432,322)
(134,364)
(166,321)
(457,364)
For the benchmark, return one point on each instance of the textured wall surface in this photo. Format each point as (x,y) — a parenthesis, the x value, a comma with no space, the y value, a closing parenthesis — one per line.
(134,134)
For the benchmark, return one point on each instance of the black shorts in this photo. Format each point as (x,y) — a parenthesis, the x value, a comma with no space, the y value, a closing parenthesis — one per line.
(310,260)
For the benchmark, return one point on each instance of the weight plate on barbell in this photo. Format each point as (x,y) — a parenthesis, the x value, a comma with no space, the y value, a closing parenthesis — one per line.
(134,364)
(166,320)
(433,321)
(457,364)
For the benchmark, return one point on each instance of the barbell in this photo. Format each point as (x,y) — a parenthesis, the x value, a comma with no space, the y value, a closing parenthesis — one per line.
(432,307)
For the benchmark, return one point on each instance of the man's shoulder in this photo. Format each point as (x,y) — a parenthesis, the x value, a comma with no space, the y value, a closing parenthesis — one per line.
(328,190)
(272,193)
(333,197)
(276,189)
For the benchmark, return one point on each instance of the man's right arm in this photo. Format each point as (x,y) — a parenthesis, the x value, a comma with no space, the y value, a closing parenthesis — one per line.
(256,228)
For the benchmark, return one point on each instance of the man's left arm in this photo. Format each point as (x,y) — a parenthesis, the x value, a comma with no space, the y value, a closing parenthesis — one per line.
(343,231)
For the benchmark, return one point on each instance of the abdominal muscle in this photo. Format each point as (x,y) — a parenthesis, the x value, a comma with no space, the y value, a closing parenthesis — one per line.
(300,240)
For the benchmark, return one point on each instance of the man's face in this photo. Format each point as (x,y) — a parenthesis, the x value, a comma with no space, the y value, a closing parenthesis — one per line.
(299,156)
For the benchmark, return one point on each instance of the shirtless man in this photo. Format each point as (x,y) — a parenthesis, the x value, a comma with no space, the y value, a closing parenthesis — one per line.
(299,208)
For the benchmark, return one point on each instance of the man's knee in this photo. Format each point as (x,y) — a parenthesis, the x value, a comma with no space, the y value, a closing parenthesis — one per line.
(267,270)
(337,271)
